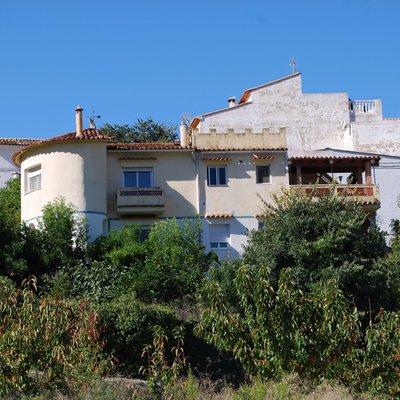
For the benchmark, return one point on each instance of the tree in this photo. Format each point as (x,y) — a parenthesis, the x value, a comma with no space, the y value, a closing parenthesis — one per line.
(278,328)
(320,240)
(56,339)
(142,131)
(63,236)
(175,264)
(12,262)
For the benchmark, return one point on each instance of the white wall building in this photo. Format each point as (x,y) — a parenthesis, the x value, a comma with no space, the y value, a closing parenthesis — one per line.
(275,136)
(316,121)
(7,147)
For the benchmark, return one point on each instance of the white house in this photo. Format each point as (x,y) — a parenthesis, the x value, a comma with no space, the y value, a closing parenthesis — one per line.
(226,162)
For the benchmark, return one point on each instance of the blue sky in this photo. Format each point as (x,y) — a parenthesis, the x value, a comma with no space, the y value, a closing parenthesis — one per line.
(160,58)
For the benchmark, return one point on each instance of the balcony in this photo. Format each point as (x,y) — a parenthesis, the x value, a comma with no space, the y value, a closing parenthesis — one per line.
(367,195)
(140,201)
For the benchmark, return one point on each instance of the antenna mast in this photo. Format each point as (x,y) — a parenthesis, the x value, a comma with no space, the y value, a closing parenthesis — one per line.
(293,65)
(92,120)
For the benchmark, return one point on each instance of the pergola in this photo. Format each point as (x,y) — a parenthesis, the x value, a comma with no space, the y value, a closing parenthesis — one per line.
(313,169)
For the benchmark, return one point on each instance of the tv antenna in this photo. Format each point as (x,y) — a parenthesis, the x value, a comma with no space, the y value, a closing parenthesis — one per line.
(293,65)
(92,119)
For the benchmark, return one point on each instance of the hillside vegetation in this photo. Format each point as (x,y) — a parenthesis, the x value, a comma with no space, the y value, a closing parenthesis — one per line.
(310,311)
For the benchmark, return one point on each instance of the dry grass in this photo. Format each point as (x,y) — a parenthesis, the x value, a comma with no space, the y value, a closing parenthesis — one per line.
(290,387)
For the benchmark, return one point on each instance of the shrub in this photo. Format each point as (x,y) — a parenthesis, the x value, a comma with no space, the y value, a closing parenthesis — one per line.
(321,240)
(56,339)
(129,328)
(282,330)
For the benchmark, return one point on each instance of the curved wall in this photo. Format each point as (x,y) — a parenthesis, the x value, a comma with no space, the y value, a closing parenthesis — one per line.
(75,171)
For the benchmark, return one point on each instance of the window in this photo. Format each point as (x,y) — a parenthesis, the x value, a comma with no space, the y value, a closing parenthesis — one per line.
(263,175)
(216,176)
(219,236)
(144,233)
(33,178)
(138,178)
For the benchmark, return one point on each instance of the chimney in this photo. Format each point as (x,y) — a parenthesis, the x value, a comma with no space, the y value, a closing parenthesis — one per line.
(183,133)
(232,101)
(79,124)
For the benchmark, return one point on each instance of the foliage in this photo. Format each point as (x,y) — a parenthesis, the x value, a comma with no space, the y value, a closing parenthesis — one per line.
(63,236)
(320,240)
(95,281)
(175,262)
(12,262)
(10,200)
(281,330)
(379,362)
(129,326)
(158,370)
(142,131)
(56,339)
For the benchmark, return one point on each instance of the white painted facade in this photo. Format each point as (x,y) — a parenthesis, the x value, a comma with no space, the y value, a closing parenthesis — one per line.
(317,121)
(215,174)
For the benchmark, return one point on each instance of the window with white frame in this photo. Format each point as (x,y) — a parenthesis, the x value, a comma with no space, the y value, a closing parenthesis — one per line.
(33,178)
(216,176)
(219,236)
(263,174)
(138,178)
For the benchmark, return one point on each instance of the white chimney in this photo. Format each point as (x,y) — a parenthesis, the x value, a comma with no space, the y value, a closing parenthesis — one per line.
(183,133)
(232,101)
(79,123)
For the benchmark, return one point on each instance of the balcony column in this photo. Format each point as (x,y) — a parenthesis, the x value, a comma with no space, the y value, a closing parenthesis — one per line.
(298,174)
(359,175)
(368,174)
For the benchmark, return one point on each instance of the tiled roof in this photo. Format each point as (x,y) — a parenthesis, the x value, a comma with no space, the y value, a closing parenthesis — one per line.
(146,146)
(18,142)
(262,157)
(87,134)
(243,150)
(335,158)
(222,216)
(217,159)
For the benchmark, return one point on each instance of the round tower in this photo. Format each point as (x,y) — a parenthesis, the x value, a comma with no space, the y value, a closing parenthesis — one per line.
(72,166)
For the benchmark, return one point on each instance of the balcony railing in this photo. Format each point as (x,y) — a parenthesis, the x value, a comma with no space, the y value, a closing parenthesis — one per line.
(362,106)
(367,194)
(140,200)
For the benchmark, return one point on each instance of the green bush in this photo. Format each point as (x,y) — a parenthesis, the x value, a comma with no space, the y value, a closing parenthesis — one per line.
(129,328)
(175,263)
(321,240)
(273,331)
(55,340)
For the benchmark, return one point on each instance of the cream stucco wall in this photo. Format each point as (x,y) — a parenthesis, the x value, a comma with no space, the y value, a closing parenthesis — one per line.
(241,196)
(173,171)
(75,171)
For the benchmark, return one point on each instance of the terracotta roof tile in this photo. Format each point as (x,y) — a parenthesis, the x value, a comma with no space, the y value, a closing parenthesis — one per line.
(87,134)
(335,158)
(262,157)
(146,146)
(243,150)
(217,159)
(222,216)
(18,142)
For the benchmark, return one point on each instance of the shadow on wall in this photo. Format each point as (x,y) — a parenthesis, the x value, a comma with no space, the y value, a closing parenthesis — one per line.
(176,204)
